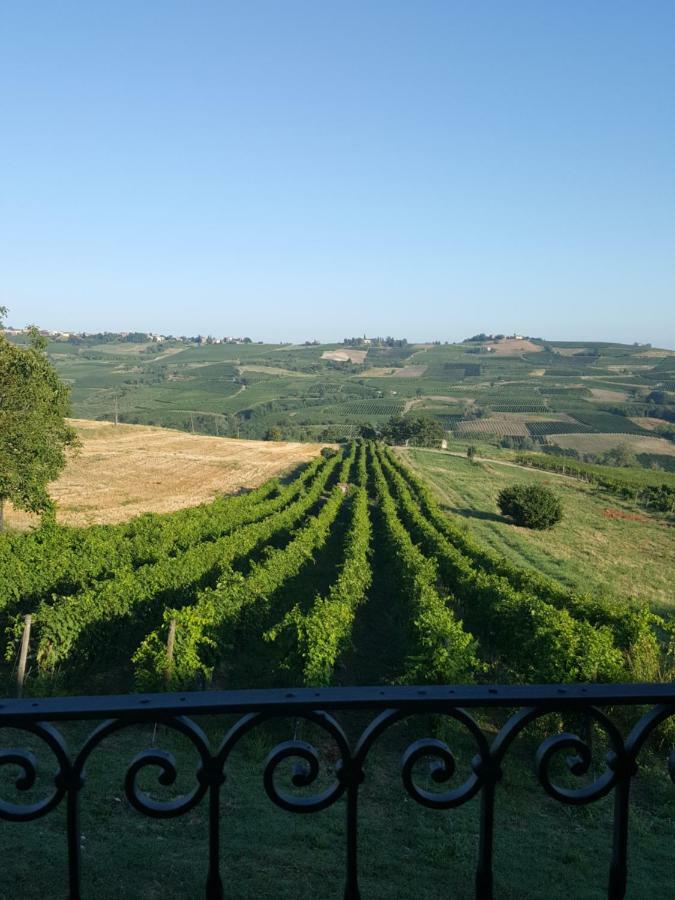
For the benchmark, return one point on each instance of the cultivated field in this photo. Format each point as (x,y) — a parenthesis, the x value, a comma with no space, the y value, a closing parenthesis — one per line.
(311,392)
(403,372)
(648,422)
(126,470)
(600,443)
(349,355)
(513,347)
(608,396)
(348,572)
(271,370)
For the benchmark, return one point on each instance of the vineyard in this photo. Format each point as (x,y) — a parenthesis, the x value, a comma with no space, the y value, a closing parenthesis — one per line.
(541,429)
(519,407)
(347,573)
(369,408)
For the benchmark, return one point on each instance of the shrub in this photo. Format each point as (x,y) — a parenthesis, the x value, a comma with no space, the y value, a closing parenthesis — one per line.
(533,506)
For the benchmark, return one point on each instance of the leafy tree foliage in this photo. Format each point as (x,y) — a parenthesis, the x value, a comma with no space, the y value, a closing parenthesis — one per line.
(621,456)
(422,431)
(532,505)
(34,434)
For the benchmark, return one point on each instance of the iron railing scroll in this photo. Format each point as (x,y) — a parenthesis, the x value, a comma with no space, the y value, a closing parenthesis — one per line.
(380,707)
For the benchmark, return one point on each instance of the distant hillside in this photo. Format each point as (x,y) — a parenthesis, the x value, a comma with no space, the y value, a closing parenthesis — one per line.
(535,389)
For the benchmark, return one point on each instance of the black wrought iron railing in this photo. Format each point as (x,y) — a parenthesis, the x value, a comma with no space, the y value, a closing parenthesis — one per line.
(43,718)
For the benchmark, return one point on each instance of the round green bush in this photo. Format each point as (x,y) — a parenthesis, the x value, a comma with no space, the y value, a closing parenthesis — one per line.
(530,505)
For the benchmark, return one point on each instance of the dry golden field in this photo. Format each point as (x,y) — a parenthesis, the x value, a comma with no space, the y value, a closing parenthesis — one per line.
(513,347)
(600,443)
(122,471)
(607,396)
(648,422)
(348,355)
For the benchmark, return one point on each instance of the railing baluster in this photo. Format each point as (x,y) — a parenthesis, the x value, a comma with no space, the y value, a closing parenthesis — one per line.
(352,884)
(484,868)
(618,870)
(214,884)
(488,770)
(74,837)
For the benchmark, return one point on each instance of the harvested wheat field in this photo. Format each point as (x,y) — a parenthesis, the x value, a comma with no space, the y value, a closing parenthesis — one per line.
(601,443)
(648,422)
(355,356)
(122,471)
(607,396)
(514,347)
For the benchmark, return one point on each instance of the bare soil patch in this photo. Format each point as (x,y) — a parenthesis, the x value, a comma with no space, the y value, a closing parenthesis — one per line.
(607,395)
(570,351)
(621,514)
(170,351)
(513,347)
(648,422)
(355,356)
(124,349)
(131,469)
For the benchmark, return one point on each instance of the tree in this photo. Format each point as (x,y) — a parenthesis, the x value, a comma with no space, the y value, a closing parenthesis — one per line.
(426,432)
(367,431)
(667,430)
(470,452)
(34,434)
(422,431)
(273,434)
(621,456)
(532,505)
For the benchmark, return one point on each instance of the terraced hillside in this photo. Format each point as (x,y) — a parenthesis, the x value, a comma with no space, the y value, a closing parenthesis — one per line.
(349,573)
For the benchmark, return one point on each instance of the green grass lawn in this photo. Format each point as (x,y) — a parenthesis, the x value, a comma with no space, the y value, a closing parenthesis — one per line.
(588,549)
(542,849)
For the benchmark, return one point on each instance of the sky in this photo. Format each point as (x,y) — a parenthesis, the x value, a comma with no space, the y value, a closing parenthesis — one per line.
(296,170)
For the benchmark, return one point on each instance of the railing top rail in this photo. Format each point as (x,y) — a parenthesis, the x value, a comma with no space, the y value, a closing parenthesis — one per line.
(122,706)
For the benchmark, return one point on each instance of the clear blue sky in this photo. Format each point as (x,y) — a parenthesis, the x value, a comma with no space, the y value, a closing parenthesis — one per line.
(316,169)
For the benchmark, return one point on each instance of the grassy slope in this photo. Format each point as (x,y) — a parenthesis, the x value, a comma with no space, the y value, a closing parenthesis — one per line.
(587,549)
